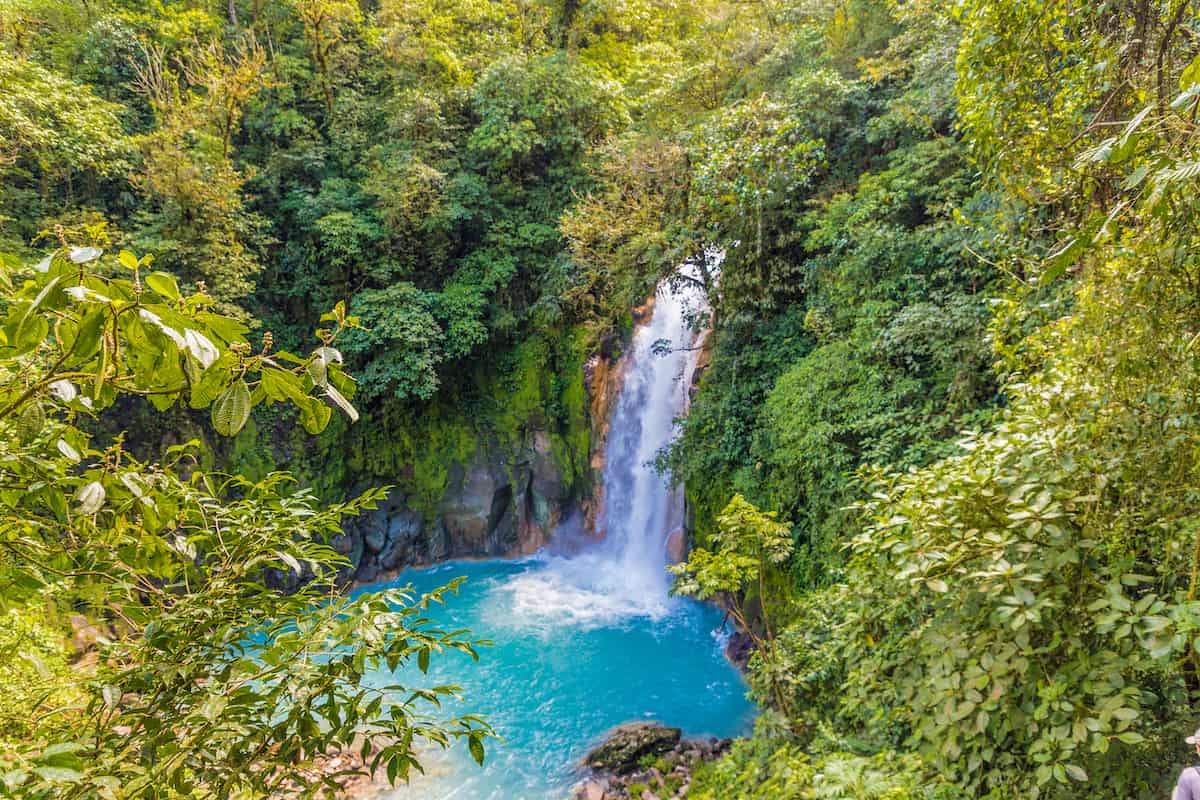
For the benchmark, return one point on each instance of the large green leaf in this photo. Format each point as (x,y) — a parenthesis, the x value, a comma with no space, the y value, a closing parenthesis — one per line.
(232,409)
(164,284)
(1190,74)
(87,336)
(31,422)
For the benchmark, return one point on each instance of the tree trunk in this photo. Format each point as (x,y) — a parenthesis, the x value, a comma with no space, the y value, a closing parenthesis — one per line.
(567,23)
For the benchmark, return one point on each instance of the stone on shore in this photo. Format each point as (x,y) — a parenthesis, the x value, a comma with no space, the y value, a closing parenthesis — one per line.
(590,790)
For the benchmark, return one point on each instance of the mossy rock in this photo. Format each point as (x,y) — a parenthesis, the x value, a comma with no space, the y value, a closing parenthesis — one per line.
(626,745)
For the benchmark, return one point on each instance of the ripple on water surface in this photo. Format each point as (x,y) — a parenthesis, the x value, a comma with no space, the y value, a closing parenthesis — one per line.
(572,657)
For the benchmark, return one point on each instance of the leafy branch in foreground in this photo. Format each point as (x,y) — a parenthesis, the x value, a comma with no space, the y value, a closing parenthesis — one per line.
(74,333)
(209,679)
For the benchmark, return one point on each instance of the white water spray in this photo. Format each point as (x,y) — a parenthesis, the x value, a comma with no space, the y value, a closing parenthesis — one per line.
(625,575)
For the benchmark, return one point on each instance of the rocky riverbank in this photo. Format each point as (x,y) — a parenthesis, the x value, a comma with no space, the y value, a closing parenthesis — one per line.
(644,761)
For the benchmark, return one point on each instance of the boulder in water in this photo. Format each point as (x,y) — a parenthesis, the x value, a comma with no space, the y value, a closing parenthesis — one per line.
(739,648)
(626,744)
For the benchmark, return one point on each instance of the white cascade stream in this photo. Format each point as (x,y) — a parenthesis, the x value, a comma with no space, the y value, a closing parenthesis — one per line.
(625,574)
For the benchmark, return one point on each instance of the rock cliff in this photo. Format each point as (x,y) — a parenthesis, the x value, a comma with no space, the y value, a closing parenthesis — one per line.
(469,490)
(496,503)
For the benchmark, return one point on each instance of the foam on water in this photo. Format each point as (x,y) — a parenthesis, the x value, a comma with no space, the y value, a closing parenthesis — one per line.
(580,592)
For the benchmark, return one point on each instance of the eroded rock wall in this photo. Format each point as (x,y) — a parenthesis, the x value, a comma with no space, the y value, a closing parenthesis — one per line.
(466,493)
(496,504)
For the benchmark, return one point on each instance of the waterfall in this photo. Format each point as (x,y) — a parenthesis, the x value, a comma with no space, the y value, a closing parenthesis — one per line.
(641,509)
(625,574)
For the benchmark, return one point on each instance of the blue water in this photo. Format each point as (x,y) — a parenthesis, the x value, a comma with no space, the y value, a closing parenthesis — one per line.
(569,661)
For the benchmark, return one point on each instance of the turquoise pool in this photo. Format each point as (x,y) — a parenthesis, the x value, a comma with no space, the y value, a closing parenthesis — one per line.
(571,659)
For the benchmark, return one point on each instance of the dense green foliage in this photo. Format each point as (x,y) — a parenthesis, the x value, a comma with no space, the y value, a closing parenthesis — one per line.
(412,159)
(853,312)
(951,254)
(1015,605)
(210,679)
(1017,608)
(766,768)
(747,545)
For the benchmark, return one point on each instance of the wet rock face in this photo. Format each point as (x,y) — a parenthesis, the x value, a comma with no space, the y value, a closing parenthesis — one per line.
(465,508)
(739,648)
(403,539)
(677,546)
(495,505)
(602,378)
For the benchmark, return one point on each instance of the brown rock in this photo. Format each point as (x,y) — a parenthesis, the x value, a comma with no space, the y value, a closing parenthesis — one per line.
(590,790)
(739,648)
(358,786)
(470,493)
(646,310)
(677,546)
